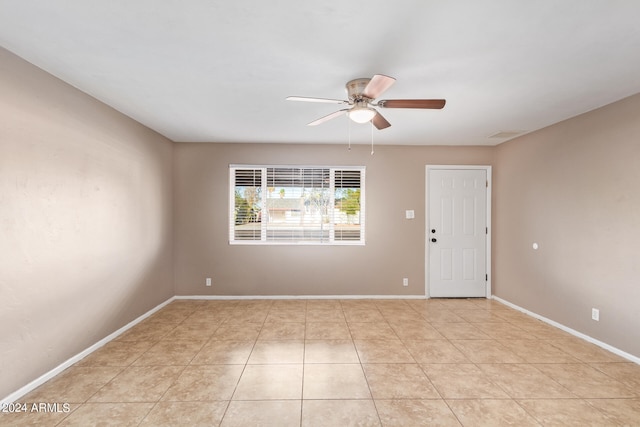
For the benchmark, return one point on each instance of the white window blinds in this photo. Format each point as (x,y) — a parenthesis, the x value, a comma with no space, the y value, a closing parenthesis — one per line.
(300,204)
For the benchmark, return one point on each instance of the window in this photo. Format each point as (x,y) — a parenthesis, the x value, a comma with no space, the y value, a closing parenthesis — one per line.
(301,204)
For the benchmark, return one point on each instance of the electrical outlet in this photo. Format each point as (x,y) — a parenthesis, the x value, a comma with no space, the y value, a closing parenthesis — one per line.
(208,282)
(405,282)
(595,314)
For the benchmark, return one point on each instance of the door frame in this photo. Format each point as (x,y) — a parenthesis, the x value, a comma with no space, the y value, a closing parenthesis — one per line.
(488,170)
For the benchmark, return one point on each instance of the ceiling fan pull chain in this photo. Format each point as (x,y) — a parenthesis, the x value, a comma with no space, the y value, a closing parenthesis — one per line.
(371,137)
(349,132)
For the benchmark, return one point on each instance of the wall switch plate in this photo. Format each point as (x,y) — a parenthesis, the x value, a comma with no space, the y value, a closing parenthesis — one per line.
(208,282)
(595,314)
(409,214)
(405,282)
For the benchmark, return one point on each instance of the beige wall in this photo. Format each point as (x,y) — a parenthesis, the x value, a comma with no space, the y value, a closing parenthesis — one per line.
(395,181)
(85,221)
(574,188)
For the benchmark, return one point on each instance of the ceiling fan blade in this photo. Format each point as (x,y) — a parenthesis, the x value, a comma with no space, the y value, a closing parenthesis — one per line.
(412,103)
(328,117)
(380,122)
(377,85)
(308,99)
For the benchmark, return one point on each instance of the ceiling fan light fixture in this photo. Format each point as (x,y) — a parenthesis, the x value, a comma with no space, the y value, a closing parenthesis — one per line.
(361,114)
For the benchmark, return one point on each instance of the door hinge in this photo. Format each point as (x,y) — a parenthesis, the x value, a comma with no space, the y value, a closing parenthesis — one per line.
(486,184)
(486,277)
(486,230)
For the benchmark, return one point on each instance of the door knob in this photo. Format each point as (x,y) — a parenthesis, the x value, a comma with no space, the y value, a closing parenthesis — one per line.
(434,240)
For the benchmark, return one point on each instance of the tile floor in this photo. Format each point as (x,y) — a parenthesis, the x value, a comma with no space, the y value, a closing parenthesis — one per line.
(470,362)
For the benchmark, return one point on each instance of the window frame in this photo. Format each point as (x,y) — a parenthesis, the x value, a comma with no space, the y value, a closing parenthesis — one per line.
(264,238)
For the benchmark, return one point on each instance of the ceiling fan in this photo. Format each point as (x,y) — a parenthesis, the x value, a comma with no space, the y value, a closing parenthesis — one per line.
(362,93)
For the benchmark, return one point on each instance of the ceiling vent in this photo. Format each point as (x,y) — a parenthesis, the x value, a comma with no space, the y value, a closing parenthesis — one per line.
(507,134)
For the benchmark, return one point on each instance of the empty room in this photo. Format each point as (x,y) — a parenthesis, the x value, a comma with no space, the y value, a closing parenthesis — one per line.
(362,213)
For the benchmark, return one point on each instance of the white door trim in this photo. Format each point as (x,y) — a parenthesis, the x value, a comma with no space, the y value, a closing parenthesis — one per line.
(426,224)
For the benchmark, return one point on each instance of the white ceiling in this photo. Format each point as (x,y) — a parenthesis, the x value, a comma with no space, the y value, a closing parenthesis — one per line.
(219,71)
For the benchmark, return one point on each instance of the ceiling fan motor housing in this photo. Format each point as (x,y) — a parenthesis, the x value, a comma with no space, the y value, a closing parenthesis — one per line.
(355,88)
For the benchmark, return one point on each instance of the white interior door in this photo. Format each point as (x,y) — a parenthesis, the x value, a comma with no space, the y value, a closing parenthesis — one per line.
(457,232)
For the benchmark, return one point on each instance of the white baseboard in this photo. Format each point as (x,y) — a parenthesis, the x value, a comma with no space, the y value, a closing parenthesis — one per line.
(58,369)
(601,344)
(318,297)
